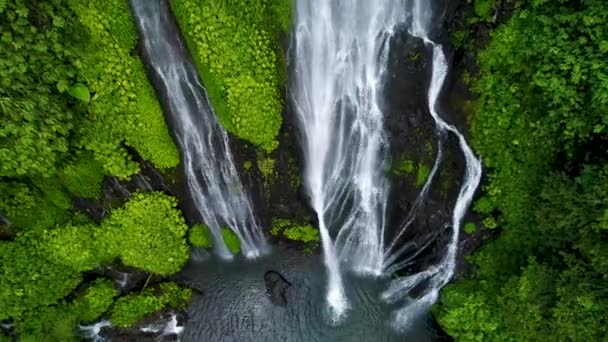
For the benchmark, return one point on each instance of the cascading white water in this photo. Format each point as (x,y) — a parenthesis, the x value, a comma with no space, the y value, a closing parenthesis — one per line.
(340,60)
(439,274)
(211,176)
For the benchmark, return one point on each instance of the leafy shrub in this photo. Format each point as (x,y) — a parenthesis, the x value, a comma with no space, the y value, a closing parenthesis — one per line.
(73,246)
(147,233)
(29,280)
(295,232)
(130,309)
(124,107)
(200,236)
(237,56)
(57,322)
(469,228)
(96,300)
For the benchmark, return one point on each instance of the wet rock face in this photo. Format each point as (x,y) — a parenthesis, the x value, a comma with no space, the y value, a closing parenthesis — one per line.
(276,287)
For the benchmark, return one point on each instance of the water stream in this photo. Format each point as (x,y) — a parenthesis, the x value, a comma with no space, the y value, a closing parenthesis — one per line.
(340,62)
(340,59)
(212,179)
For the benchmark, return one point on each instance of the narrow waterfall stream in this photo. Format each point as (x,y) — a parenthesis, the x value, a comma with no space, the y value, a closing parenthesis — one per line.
(340,62)
(439,274)
(212,179)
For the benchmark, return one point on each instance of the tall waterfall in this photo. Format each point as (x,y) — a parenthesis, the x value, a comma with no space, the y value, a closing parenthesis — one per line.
(340,61)
(211,176)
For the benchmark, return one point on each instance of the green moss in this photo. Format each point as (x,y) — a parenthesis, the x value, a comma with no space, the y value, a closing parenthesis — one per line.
(200,236)
(405,167)
(247,165)
(235,49)
(422,174)
(267,167)
(231,240)
(470,228)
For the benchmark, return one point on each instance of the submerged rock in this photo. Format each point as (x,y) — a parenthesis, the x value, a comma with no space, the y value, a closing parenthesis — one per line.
(276,287)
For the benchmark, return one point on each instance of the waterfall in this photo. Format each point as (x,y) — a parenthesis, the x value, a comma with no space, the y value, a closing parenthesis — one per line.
(340,59)
(439,274)
(209,168)
(340,53)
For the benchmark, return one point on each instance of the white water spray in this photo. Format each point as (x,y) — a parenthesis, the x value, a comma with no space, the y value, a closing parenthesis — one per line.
(211,175)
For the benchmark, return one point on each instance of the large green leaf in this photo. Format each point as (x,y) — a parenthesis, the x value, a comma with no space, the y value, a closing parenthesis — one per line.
(80,91)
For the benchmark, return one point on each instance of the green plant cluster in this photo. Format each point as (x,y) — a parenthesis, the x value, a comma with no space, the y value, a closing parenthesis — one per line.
(540,128)
(124,107)
(235,48)
(231,240)
(200,236)
(295,232)
(407,167)
(73,98)
(57,322)
(130,309)
(147,233)
(53,56)
(41,268)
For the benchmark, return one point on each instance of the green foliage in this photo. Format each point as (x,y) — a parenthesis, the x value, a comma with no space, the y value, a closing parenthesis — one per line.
(231,240)
(83,177)
(80,92)
(236,52)
(30,280)
(200,236)
(305,233)
(73,246)
(38,48)
(96,300)
(540,129)
(57,322)
(68,83)
(292,231)
(28,208)
(125,107)
(128,310)
(147,233)
(470,228)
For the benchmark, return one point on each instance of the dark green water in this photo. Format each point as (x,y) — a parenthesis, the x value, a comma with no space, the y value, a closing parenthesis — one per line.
(236,307)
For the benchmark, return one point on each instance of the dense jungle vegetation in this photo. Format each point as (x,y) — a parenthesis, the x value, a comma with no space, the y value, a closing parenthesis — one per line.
(540,126)
(76,108)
